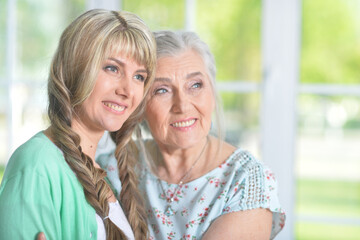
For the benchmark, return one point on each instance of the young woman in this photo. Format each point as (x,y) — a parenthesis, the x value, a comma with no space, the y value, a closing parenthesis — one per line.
(99,75)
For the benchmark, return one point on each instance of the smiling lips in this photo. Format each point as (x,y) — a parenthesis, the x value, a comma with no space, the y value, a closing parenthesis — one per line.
(183,124)
(115,107)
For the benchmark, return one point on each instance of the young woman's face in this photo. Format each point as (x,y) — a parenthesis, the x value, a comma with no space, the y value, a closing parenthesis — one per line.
(118,90)
(180,102)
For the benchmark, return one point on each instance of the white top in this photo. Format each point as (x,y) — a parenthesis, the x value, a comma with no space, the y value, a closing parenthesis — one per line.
(117,216)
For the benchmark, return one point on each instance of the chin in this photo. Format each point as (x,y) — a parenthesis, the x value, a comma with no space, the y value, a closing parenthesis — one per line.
(187,143)
(114,128)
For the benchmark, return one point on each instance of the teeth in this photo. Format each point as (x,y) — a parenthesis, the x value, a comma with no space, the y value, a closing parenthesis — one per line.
(184,124)
(115,107)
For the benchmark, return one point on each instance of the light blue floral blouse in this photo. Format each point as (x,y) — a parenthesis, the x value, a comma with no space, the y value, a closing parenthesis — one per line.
(240,183)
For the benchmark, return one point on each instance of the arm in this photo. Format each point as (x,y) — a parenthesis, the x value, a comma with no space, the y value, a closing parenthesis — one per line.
(26,207)
(252,224)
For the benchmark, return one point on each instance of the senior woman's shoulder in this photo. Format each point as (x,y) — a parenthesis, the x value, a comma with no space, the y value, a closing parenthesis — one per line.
(240,159)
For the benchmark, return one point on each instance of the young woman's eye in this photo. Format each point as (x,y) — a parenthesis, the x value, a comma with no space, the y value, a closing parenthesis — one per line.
(140,77)
(160,91)
(111,68)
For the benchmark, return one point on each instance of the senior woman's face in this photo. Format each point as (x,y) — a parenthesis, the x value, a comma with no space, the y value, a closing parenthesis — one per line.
(180,102)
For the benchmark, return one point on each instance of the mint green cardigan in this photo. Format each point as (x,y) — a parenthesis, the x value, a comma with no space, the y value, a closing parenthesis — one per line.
(40,192)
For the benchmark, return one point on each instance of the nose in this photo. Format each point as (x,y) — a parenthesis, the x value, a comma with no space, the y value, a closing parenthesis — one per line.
(180,102)
(124,87)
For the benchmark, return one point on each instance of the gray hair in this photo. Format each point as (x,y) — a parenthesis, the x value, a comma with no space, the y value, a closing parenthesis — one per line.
(173,43)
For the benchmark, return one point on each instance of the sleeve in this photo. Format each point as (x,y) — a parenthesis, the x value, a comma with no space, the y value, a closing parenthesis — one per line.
(254,186)
(26,208)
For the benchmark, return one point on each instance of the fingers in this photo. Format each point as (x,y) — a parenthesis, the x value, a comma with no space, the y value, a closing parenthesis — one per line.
(41,236)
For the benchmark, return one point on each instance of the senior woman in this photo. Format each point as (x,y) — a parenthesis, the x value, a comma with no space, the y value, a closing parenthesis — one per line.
(196,185)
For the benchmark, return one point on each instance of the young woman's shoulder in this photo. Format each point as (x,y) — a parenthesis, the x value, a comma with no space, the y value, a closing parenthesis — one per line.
(38,154)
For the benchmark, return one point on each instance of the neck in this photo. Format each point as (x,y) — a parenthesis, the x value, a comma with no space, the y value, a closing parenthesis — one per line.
(89,139)
(177,165)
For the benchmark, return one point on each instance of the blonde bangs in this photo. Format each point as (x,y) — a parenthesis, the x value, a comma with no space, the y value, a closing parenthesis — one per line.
(133,45)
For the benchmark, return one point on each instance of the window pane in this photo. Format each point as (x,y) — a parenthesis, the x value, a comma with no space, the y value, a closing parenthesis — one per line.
(3,126)
(241,112)
(331,41)
(38,28)
(312,231)
(3,16)
(232,30)
(328,166)
(40,24)
(29,115)
(3,95)
(158,15)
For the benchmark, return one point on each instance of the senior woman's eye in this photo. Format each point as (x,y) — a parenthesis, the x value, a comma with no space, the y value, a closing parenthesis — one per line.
(197,85)
(160,91)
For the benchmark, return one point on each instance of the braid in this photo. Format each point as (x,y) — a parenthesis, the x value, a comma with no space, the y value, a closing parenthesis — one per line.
(92,179)
(130,195)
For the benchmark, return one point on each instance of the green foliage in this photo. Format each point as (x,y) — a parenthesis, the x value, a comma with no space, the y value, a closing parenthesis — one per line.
(331,42)
(352,124)
(240,108)
(2,169)
(158,15)
(312,231)
(3,17)
(232,30)
(327,198)
(40,24)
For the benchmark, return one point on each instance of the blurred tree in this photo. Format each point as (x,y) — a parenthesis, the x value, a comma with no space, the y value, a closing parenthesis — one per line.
(160,14)
(40,24)
(3,17)
(232,30)
(330,42)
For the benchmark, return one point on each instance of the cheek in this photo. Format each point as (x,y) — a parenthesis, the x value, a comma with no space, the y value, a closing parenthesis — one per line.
(155,116)
(138,95)
(151,115)
(207,106)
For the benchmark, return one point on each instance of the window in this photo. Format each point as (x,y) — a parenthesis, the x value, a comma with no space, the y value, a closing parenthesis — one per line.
(288,74)
(328,159)
(32,30)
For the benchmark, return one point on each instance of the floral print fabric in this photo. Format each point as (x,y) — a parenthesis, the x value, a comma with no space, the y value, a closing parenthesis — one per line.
(240,183)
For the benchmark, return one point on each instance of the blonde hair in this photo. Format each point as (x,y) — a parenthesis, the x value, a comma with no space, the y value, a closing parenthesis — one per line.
(83,46)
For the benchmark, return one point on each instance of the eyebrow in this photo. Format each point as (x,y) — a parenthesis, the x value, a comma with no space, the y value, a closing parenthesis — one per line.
(122,64)
(190,75)
(162,79)
(194,74)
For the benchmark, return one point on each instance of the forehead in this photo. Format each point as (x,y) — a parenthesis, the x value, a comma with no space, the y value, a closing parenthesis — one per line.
(124,59)
(182,64)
